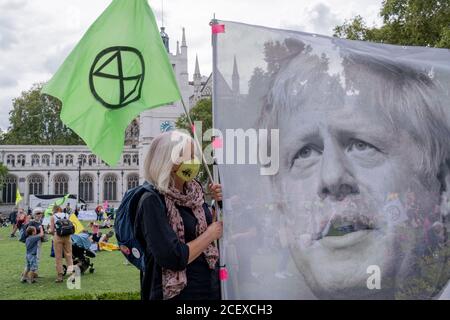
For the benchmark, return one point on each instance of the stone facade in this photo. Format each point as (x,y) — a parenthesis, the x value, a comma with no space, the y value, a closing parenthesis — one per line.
(56,169)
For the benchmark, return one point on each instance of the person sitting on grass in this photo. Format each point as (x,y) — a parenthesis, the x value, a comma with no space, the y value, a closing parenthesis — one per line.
(106,224)
(95,236)
(29,275)
(104,244)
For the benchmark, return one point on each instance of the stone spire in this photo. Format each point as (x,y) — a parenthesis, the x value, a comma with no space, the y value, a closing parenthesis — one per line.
(197,80)
(235,78)
(197,68)
(178,48)
(183,40)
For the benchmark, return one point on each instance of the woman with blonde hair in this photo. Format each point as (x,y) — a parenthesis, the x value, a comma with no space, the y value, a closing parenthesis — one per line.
(175,225)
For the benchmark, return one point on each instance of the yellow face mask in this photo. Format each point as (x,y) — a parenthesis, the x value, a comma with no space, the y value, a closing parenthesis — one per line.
(188,170)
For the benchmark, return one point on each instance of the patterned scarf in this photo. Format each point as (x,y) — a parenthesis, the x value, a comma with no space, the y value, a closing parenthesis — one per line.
(175,281)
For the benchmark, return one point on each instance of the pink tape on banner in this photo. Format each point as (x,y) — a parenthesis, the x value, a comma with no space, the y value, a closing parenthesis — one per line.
(217,143)
(223,274)
(218,28)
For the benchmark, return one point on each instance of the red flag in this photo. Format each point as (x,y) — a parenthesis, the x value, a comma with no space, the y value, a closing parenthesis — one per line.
(218,28)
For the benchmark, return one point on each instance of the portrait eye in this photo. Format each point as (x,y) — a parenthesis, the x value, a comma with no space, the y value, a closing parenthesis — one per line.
(306,152)
(360,145)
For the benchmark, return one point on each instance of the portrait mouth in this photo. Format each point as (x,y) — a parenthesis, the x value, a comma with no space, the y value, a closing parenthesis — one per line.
(345,230)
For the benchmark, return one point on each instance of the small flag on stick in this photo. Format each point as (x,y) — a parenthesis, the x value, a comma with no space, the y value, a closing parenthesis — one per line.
(18,196)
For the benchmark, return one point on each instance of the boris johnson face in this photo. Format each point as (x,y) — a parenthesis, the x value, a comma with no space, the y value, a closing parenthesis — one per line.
(356,199)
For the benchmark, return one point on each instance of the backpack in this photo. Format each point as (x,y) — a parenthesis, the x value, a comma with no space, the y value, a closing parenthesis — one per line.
(64,227)
(131,248)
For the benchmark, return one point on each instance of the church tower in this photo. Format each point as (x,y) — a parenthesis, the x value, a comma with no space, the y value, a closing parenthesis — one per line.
(235,83)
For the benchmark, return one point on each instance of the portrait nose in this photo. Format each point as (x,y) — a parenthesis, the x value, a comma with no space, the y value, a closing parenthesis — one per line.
(336,179)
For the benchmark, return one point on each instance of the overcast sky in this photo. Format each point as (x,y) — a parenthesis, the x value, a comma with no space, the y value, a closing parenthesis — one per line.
(36,36)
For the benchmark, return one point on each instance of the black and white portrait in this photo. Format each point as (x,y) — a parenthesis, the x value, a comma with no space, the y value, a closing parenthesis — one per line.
(359,204)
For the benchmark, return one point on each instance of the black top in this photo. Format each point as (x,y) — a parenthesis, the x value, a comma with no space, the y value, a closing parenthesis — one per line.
(154,232)
(96,237)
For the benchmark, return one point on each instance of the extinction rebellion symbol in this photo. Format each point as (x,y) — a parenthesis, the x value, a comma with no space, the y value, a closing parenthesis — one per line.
(116,76)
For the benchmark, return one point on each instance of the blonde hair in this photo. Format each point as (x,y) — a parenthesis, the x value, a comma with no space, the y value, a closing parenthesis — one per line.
(164,152)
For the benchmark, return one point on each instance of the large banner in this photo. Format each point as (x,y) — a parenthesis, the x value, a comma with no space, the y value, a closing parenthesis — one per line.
(335,165)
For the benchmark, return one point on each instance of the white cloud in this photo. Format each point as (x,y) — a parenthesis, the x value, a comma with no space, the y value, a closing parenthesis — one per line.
(36,36)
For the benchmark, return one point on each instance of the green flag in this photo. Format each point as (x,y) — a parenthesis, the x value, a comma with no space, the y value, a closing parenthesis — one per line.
(119,68)
(58,202)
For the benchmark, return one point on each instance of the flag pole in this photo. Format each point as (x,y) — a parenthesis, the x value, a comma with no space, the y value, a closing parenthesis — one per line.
(214,97)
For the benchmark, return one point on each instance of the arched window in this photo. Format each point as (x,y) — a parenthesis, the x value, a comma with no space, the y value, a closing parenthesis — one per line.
(92,159)
(35,183)
(136,159)
(9,190)
(86,188)
(61,184)
(21,160)
(110,187)
(10,160)
(127,159)
(132,181)
(59,160)
(46,160)
(82,158)
(35,160)
(69,159)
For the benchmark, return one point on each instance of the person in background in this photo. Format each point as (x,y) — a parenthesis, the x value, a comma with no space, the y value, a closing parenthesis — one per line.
(95,236)
(105,238)
(106,224)
(68,209)
(61,243)
(22,219)
(105,245)
(3,222)
(100,212)
(29,275)
(13,221)
(111,212)
(38,214)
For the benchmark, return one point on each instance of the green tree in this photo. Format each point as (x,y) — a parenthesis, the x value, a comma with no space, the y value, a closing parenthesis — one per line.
(202,111)
(34,119)
(405,22)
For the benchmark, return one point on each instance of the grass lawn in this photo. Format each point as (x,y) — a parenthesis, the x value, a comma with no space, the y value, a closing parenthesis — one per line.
(111,275)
